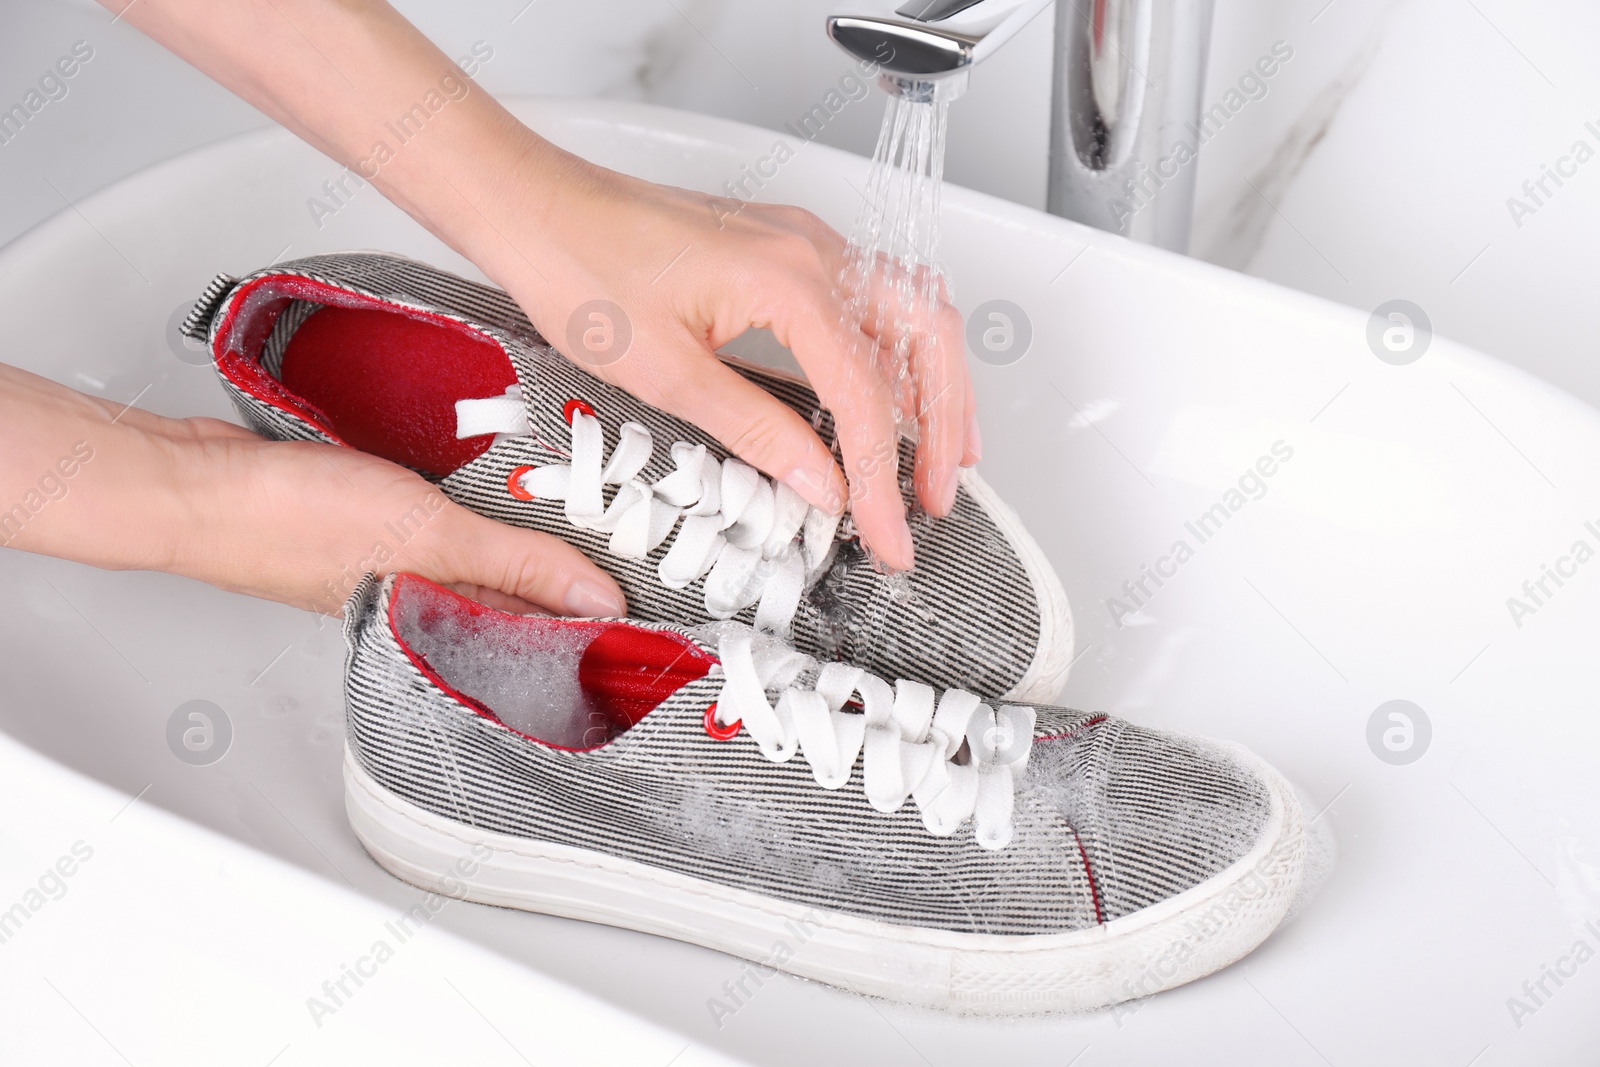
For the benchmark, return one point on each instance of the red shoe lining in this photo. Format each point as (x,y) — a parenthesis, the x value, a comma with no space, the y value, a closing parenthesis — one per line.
(368,374)
(390,383)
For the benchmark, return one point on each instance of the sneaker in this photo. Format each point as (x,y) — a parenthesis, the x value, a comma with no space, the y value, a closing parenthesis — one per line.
(713,785)
(449,378)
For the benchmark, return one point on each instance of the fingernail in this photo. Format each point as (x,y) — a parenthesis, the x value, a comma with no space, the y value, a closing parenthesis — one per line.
(974,436)
(947,499)
(815,489)
(908,551)
(591,600)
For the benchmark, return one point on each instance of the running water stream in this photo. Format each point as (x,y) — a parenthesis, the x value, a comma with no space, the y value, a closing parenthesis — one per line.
(893,280)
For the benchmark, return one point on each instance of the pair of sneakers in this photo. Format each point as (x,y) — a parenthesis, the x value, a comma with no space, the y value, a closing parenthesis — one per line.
(785,754)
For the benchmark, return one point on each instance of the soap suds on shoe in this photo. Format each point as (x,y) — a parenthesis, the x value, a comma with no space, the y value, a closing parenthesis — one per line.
(528,677)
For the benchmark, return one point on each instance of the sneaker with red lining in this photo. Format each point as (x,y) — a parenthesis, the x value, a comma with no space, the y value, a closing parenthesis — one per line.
(713,785)
(448,377)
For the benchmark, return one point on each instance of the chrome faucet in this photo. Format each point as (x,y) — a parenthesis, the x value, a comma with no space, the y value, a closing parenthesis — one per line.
(1126,94)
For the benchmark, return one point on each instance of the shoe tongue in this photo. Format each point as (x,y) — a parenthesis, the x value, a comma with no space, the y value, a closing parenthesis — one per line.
(547,384)
(515,411)
(632,669)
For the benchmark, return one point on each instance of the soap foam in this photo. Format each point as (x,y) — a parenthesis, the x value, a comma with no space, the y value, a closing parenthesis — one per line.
(1076,784)
(526,674)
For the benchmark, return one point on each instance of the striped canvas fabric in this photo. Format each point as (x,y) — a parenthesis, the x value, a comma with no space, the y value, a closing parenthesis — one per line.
(981,611)
(1110,818)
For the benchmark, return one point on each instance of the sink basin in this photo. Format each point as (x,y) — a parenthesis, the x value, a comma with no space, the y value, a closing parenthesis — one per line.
(1268,534)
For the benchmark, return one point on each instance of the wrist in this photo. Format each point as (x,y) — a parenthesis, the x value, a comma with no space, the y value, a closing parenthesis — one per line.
(191,496)
(487,185)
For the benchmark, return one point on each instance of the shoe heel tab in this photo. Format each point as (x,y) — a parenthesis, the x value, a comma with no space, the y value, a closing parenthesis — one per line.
(364,599)
(197,324)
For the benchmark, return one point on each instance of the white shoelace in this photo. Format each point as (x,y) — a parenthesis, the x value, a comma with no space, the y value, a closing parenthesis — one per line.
(956,757)
(754,541)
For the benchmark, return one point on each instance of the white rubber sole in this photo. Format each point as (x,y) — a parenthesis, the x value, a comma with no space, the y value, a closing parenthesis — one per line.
(1181,939)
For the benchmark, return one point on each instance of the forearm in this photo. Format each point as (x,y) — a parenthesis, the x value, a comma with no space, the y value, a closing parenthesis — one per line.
(84,479)
(297,522)
(359,82)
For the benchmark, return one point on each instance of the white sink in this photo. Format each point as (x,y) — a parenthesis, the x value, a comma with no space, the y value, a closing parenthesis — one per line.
(1376,566)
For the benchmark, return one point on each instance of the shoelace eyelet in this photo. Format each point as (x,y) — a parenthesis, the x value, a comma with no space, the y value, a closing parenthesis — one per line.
(720,733)
(576,405)
(514,483)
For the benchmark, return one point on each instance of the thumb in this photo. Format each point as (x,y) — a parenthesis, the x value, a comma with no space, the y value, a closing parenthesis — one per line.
(514,569)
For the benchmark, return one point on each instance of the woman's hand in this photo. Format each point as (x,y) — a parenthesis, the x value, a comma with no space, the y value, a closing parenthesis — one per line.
(689,270)
(293,522)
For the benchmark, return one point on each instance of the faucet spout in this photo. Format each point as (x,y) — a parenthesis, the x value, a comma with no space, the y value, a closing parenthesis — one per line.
(929,39)
(1126,94)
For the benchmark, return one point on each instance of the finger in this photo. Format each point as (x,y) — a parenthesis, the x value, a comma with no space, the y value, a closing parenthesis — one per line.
(953,336)
(466,549)
(941,381)
(972,448)
(494,598)
(851,386)
(923,333)
(952,330)
(878,307)
(853,378)
(755,425)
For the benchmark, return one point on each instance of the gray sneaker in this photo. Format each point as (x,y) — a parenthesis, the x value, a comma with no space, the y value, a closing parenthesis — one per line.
(713,785)
(448,377)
